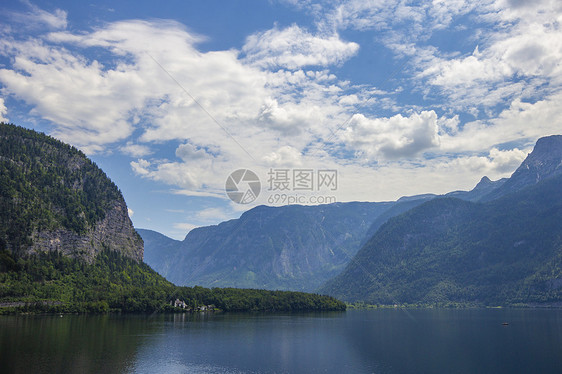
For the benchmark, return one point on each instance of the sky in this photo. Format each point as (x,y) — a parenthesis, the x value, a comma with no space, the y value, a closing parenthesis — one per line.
(315,101)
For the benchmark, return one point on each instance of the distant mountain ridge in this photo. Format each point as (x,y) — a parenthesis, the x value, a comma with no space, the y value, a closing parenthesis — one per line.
(216,255)
(163,258)
(201,257)
(402,205)
(483,188)
(505,249)
(290,247)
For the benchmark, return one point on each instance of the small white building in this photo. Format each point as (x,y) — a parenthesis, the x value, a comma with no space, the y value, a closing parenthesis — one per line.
(179,304)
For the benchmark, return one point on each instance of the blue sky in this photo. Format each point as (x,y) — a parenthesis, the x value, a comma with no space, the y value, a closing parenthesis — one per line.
(398,97)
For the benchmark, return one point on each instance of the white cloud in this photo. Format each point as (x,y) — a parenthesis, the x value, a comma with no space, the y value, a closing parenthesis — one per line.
(507,161)
(189,152)
(85,102)
(286,156)
(517,57)
(213,215)
(496,164)
(281,101)
(135,150)
(288,119)
(37,17)
(395,137)
(3,111)
(294,48)
(521,122)
(131,212)
(141,167)
(92,105)
(518,45)
(219,194)
(174,173)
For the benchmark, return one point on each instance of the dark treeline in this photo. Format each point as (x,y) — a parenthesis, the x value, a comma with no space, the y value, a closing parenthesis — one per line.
(50,282)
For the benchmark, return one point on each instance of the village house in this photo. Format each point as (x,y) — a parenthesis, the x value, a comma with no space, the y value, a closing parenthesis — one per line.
(179,304)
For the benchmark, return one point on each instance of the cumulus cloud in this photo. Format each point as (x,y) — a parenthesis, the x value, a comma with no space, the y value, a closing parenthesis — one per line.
(508,160)
(141,167)
(522,122)
(288,119)
(286,156)
(496,163)
(395,137)
(294,48)
(516,60)
(84,101)
(280,100)
(189,152)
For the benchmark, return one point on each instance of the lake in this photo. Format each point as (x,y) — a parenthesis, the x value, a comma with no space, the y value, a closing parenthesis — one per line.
(356,341)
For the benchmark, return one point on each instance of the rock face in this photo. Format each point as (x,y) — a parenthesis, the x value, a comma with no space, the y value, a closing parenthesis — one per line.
(114,232)
(52,197)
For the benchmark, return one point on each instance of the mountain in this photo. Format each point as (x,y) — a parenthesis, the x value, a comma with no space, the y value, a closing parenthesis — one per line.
(67,244)
(302,248)
(291,247)
(483,188)
(161,250)
(499,252)
(53,198)
(403,204)
(544,162)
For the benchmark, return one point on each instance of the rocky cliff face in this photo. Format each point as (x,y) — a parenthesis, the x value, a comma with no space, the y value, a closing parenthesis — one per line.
(114,232)
(53,198)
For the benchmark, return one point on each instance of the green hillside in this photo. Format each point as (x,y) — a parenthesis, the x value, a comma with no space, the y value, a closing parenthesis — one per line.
(67,243)
(45,185)
(50,282)
(447,251)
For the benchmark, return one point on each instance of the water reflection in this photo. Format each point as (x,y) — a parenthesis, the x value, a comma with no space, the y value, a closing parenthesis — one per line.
(458,341)
(71,344)
(378,341)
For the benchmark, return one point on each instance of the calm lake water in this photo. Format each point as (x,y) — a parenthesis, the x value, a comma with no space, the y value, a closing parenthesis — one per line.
(365,341)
